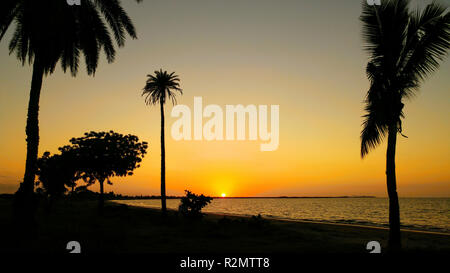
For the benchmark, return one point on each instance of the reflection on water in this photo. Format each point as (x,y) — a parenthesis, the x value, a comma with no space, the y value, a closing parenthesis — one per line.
(416,213)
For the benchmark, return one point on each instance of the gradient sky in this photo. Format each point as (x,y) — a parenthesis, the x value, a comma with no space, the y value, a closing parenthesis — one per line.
(305,56)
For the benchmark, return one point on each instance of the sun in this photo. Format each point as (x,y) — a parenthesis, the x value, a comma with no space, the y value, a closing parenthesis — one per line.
(223,195)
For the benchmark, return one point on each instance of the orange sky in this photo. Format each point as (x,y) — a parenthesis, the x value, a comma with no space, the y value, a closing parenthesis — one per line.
(305,56)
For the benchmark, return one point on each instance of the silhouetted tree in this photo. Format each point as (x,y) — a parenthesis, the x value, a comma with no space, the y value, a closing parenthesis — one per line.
(191,205)
(102,155)
(404,48)
(56,172)
(49,31)
(159,88)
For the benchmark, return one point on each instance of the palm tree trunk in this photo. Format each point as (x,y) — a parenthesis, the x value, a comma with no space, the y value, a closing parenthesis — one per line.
(394,208)
(101,202)
(163,163)
(24,203)
(32,127)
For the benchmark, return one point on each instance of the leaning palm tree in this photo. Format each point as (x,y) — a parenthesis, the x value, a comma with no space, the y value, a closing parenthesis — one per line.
(158,89)
(47,32)
(404,48)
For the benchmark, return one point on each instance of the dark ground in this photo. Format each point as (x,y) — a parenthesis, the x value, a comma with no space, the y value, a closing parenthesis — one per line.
(124,229)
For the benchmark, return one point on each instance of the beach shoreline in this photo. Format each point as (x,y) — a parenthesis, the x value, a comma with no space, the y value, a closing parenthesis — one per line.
(131,229)
(342,222)
(246,216)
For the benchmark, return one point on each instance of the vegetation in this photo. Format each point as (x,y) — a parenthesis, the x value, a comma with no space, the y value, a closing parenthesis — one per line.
(191,205)
(48,32)
(56,172)
(97,156)
(158,89)
(404,48)
(102,155)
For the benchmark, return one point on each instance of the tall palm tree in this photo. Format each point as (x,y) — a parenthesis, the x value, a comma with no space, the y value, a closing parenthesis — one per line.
(404,48)
(49,31)
(158,89)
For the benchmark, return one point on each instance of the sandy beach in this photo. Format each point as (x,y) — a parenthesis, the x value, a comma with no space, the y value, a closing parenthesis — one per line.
(126,229)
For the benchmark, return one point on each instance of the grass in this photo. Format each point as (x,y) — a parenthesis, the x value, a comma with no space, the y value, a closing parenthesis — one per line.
(125,229)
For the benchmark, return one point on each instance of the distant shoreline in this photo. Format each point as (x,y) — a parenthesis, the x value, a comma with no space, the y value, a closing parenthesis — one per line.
(142,197)
(270,197)
(244,197)
(112,196)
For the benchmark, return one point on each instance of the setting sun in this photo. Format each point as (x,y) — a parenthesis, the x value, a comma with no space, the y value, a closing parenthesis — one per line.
(223,195)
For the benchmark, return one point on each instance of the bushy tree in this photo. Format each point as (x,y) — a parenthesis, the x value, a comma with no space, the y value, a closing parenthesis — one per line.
(192,204)
(55,173)
(102,155)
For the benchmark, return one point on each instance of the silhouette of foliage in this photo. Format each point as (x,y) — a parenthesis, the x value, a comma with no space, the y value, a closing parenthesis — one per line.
(102,155)
(158,88)
(257,221)
(47,32)
(56,172)
(192,204)
(404,48)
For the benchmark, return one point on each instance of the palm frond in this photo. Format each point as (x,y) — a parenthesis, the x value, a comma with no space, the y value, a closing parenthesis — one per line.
(8,11)
(404,47)
(55,31)
(372,133)
(375,121)
(429,44)
(160,87)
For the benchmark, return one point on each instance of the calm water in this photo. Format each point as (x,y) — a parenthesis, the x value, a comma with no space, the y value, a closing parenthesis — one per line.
(416,213)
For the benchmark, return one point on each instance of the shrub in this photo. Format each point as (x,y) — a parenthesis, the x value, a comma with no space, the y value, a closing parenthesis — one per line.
(257,221)
(192,204)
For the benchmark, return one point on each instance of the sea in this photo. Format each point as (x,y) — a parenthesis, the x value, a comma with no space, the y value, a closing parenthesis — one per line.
(428,214)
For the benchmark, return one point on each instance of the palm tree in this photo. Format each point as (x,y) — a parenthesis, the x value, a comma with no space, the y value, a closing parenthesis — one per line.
(50,31)
(159,88)
(404,48)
